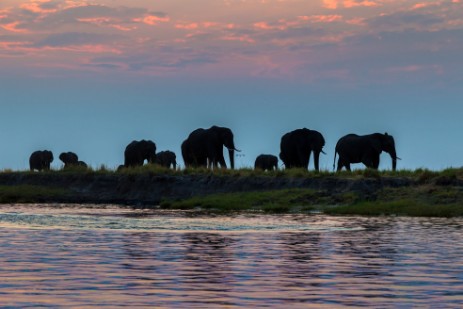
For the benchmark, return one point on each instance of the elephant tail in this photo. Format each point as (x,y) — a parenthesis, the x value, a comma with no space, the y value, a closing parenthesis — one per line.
(334,161)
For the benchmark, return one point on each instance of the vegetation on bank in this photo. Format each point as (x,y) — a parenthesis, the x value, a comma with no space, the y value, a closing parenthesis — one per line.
(422,175)
(29,193)
(427,201)
(433,193)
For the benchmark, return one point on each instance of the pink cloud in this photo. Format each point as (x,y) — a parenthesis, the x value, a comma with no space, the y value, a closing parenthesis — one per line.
(334,4)
(35,6)
(107,22)
(13,27)
(187,26)
(152,20)
(356,21)
(424,5)
(209,24)
(321,18)
(354,3)
(330,4)
(242,38)
(437,69)
(263,25)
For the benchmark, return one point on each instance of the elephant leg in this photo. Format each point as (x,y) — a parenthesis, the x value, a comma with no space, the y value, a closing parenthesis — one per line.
(369,161)
(343,163)
(375,163)
(316,160)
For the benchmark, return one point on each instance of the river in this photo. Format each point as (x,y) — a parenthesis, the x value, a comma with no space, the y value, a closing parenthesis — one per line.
(55,256)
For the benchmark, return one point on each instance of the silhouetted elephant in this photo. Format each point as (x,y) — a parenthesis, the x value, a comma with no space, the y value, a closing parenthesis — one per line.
(204,147)
(364,149)
(82,164)
(266,162)
(137,152)
(166,158)
(40,160)
(71,159)
(297,145)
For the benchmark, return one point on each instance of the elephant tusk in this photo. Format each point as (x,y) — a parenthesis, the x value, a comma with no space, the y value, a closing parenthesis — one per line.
(237,150)
(397,158)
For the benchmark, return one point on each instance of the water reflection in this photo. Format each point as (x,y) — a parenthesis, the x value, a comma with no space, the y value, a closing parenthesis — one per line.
(92,257)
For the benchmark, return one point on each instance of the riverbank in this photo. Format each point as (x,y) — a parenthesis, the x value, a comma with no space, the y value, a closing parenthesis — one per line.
(421,192)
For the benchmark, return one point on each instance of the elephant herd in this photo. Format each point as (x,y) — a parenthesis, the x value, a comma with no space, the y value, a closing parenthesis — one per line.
(204,148)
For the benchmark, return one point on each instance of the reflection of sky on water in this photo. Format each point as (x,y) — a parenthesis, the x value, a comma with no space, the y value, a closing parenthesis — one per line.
(82,217)
(377,262)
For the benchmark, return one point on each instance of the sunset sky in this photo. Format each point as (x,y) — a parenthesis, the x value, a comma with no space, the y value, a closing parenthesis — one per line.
(91,76)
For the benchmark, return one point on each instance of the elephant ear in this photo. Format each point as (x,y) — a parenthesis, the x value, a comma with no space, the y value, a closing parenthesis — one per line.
(376,145)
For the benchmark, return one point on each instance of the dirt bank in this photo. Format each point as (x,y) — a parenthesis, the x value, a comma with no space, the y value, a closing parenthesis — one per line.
(150,189)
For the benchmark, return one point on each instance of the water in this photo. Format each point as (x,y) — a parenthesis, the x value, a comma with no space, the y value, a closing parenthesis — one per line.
(82,256)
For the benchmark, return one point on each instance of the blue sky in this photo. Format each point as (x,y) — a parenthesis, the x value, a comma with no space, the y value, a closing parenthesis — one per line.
(90,77)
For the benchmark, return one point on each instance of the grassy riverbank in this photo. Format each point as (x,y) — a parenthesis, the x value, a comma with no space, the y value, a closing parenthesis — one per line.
(363,192)
(424,201)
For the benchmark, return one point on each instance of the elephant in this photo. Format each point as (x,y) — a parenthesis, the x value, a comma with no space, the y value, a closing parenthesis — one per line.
(82,164)
(137,152)
(166,159)
(71,159)
(297,145)
(365,149)
(204,147)
(266,162)
(40,160)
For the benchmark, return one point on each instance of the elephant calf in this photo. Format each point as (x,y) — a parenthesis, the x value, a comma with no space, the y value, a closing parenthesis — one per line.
(266,162)
(40,160)
(166,159)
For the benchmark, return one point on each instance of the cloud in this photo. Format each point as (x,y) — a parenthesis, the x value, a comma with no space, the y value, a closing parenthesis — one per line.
(152,20)
(13,27)
(404,20)
(41,6)
(50,16)
(76,38)
(335,4)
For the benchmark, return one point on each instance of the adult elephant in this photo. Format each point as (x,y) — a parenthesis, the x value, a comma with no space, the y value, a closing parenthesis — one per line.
(204,147)
(166,159)
(40,160)
(266,162)
(365,149)
(296,147)
(137,152)
(69,158)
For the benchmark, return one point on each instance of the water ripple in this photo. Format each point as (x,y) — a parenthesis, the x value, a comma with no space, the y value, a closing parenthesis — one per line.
(78,256)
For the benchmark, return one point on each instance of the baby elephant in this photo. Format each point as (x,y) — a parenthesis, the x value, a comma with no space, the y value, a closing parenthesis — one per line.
(40,160)
(266,162)
(71,159)
(166,158)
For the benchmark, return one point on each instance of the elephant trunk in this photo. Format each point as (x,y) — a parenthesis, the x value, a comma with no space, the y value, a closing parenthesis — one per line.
(316,160)
(231,153)
(394,159)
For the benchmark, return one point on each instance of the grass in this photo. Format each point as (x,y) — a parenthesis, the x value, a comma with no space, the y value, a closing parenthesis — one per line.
(428,201)
(29,193)
(422,176)
(432,193)
(267,201)
(405,207)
